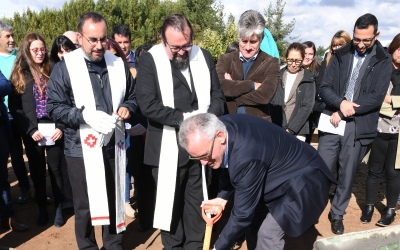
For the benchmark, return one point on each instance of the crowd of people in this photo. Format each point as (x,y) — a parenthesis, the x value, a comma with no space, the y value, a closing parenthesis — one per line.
(183,132)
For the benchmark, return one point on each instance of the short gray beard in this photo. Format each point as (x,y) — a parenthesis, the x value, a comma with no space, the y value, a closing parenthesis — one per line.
(9,50)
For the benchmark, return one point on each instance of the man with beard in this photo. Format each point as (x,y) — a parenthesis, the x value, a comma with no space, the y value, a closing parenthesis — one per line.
(353,88)
(80,96)
(175,81)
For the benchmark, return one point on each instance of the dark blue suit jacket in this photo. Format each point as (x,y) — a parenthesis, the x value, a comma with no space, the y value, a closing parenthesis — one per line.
(5,89)
(266,163)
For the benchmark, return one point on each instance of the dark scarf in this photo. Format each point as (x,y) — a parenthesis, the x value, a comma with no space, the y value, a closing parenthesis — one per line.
(395,79)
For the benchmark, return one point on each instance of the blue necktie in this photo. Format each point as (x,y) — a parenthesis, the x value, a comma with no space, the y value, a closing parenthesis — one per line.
(353,80)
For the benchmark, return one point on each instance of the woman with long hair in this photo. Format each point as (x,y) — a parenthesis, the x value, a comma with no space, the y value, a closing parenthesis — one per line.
(338,40)
(294,97)
(310,61)
(312,65)
(28,107)
(384,148)
(61,45)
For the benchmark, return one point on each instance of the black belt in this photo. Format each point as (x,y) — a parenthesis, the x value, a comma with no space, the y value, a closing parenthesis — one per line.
(349,119)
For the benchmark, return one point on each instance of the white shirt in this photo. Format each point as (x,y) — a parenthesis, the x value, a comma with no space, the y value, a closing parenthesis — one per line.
(290,78)
(185,73)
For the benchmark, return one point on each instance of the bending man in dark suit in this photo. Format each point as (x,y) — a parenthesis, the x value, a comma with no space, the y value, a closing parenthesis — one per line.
(176,80)
(265,167)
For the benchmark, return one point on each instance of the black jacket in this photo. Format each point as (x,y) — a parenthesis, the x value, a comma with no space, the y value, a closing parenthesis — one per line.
(23,107)
(61,104)
(151,103)
(374,85)
(305,94)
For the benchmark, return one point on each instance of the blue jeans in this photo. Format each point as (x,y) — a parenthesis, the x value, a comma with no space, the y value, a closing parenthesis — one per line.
(17,159)
(6,208)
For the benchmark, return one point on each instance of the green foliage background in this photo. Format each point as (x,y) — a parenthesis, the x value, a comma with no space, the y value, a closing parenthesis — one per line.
(145,17)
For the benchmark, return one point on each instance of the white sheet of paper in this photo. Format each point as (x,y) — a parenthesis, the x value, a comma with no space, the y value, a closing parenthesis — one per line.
(138,129)
(325,125)
(47,130)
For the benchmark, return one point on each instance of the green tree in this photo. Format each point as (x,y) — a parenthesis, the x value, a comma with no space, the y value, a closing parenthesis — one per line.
(279,29)
(231,30)
(143,17)
(213,42)
(321,50)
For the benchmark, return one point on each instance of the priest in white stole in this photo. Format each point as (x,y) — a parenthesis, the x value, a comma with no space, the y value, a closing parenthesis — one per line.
(91,91)
(176,79)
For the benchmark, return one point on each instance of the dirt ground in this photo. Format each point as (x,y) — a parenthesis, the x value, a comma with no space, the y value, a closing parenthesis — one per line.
(50,237)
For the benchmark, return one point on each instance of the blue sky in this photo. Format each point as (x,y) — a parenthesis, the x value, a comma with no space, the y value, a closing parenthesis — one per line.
(316,20)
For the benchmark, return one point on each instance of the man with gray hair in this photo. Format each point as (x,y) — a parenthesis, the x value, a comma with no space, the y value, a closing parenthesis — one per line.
(8,54)
(249,77)
(265,168)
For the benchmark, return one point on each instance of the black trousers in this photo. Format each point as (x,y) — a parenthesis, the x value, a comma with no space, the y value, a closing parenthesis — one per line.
(6,206)
(17,159)
(382,159)
(37,166)
(84,231)
(146,186)
(187,225)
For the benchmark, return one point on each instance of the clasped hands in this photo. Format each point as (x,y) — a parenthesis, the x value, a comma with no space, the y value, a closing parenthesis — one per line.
(347,109)
(103,123)
(37,136)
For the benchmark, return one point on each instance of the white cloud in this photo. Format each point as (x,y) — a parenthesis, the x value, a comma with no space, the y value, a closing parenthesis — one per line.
(318,20)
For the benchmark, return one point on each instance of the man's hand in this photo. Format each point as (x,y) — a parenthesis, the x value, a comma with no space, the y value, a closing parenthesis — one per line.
(99,121)
(335,119)
(37,136)
(388,99)
(227,76)
(215,203)
(347,108)
(124,113)
(257,85)
(57,134)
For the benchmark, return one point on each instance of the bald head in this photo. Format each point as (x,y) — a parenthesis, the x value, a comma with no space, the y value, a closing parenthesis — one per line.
(72,36)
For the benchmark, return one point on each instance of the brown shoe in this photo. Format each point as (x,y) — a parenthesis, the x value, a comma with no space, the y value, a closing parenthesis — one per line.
(14,225)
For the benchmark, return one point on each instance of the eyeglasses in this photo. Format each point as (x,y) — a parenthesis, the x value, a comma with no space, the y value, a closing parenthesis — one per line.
(36,50)
(93,41)
(206,156)
(177,49)
(364,41)
(291,61)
